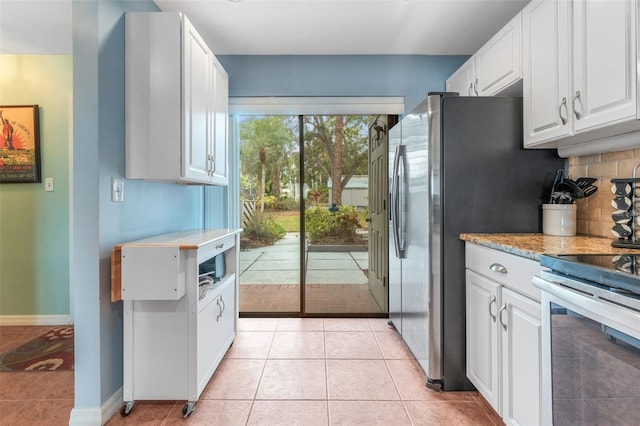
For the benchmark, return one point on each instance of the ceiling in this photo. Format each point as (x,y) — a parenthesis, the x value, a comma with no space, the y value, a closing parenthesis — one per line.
(349,27)
(288,27)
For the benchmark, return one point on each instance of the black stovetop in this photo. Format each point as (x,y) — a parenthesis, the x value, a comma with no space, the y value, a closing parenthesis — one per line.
(619,271)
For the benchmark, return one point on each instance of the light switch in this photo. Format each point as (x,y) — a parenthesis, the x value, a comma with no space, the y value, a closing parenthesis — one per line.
(117,189)
(48,184)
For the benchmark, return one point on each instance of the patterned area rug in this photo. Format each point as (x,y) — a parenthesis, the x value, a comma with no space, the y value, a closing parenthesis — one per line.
(51,351)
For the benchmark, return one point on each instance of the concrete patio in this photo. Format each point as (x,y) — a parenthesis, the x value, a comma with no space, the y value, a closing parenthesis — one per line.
(280,264)
(336,281)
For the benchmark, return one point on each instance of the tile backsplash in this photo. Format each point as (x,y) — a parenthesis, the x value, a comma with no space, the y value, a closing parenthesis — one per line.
(594,212)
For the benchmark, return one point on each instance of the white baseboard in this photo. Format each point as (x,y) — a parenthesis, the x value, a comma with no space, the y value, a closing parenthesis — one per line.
(112,406)
(35,320)
(85,417)
(96,416)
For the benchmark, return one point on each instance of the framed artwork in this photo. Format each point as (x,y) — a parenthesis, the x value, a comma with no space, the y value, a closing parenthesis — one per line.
(20,144)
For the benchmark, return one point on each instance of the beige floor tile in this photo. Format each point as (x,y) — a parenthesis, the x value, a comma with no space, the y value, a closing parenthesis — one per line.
(251,344)
(352,345)
(360,380)
(293,379)
(257,324)
(493,415)
(145,413)
(285,413)
(18,385)
(235,379)
(447,413)
(212,412)
(367,413)
(346,324)
(380,324)
(47,412)
(300,324)
(410,381)
(298,345)
(392,345)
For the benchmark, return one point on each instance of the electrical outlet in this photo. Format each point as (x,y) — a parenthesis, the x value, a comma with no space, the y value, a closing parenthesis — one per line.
(117,189)
(48,184)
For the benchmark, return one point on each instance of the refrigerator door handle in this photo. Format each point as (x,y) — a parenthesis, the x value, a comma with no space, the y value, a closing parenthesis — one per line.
(394,201)
(401,200)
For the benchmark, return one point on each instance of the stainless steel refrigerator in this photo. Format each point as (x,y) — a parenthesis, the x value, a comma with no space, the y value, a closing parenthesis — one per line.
(456,165)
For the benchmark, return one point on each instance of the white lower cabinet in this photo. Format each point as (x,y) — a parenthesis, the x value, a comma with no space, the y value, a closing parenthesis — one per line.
(504,333)
(521,359)
(482,336)
(175,340)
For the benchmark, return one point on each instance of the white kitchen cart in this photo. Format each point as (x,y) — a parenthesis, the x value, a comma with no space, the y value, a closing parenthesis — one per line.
(178,325)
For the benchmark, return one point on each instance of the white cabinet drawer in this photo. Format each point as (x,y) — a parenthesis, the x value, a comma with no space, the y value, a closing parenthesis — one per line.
(216,247)
(508,269)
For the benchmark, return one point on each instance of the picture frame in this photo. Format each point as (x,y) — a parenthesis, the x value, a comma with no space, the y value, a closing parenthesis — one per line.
(20,144)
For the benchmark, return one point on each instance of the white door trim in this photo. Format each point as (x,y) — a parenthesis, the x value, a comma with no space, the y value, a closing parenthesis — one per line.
(361,105)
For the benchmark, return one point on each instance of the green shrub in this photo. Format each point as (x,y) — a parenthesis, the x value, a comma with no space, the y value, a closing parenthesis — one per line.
(273,204)
(262,230)
(321,223)
(318,223)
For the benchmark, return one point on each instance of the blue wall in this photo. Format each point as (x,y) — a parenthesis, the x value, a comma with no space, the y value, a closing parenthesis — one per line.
(98,223)
(366,75)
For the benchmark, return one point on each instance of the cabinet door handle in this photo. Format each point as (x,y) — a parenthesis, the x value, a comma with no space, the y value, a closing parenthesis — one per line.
(564,102)
(470,89)
(573,104)
(224,306)
(504,308)
(493,300)
(496,267)
(219,246)
(220,309)
(475,87)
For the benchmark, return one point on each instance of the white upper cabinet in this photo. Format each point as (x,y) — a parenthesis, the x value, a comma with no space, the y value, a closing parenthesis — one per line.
(604,63)
(176,102)
(197,106)
(463,80)
(499,61)
(495,67)
(579,72)
(546,78)
(219,159)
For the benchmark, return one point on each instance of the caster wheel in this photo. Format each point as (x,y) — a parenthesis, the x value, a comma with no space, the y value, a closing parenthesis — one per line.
(188,408)
(126,408)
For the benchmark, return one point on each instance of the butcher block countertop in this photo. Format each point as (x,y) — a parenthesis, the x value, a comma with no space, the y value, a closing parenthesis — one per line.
(533,245)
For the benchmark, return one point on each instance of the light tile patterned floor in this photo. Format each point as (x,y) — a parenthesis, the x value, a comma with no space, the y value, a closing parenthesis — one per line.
(286,371)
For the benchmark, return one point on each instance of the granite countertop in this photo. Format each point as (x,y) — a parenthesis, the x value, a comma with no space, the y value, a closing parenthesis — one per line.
(533,245)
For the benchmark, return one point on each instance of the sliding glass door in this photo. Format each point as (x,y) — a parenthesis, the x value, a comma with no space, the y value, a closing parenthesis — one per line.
(270,196)
(305,214)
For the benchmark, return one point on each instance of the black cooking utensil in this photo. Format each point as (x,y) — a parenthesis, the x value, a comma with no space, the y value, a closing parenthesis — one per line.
(556,180)
(589,190)
(567,185)
(584,182)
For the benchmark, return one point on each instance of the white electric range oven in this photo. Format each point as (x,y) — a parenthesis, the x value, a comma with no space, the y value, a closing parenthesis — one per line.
(590,339)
